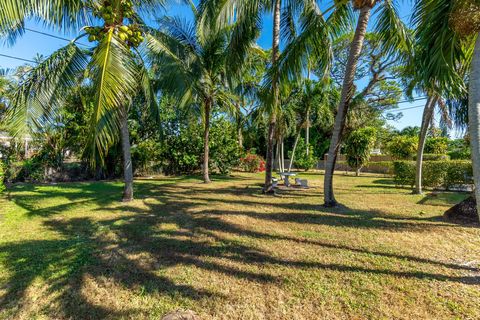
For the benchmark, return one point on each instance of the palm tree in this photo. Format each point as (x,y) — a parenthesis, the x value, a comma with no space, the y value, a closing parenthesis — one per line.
(448,32)
(394,38)
(113,66)
(193,64)
(247,16)
(311,100)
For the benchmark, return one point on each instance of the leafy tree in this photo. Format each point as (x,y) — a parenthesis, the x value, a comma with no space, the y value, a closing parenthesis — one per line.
(358,146)
(410,131)
(436,145)
(402,147)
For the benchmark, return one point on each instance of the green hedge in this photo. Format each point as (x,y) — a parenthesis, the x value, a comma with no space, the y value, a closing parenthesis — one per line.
(436,174)
(434,157)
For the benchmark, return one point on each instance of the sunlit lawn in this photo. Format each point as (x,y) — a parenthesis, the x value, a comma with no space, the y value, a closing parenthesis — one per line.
(227,252)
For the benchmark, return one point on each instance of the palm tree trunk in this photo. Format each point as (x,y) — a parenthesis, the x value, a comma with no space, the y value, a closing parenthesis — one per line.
(127,158)
(282,155)
(307,133)
(279,152)
(268,188)
(293,151)
(239,127)
(427,117)
(474,119)
(346,96)
(206,149)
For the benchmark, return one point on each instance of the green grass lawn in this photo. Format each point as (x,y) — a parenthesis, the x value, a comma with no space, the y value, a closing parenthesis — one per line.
(228,252)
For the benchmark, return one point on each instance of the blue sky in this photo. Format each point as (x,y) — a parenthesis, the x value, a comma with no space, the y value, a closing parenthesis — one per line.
(32,44)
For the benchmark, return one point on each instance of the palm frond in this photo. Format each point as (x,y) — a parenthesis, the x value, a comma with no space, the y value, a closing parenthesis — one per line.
(44,87)
(57,14)
(113,71)
(394,34)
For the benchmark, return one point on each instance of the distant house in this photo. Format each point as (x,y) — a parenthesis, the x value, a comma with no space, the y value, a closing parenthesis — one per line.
(6,140)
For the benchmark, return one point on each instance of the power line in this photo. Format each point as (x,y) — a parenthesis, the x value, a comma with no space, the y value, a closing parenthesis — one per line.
(54,36)
(16,58)
(396,110)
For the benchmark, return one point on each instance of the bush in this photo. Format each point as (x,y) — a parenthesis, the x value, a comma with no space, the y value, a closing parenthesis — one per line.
(458,173)
(459,149)
(224,148)
(302,160)
(358,146)
(437,145)
(252,163)
(404,173)
(402,147)
(436,174)
(145,155)
(433,157)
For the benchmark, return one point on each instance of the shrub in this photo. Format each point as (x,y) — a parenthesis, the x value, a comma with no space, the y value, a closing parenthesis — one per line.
(433,157)
(436,174)
(459,149)
(358,146)
(437,145)
(404,173)
(224,148)
(144,156)
(252,163)
(459,172)
(402,147)
(302,160)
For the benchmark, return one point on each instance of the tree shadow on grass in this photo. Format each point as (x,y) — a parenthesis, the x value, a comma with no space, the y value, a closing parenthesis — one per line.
(131,250)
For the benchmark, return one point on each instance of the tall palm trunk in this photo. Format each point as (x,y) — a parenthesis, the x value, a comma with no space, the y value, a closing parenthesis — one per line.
(474,119)
(426,119)
(206,149)
(127,158)
(346,96)
(293,151)
(268,188)
(239,127)
(307,133)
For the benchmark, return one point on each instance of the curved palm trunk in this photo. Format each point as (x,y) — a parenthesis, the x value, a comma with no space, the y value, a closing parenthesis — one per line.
(127,159)
(347,92)
(427,117)
(293,151)
(474,119)
(268,188)
(206,149)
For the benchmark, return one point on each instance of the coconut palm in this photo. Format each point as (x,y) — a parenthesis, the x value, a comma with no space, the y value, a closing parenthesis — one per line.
(113,66)
(247,16)
(448,32)
(193,64)
(394,38)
